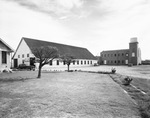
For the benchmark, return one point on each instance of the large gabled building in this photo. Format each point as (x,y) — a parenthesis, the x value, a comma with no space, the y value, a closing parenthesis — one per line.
(5,55)
(122,57)
(24,54)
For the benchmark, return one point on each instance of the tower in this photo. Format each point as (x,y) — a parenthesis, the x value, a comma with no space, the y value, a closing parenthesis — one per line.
(133,51)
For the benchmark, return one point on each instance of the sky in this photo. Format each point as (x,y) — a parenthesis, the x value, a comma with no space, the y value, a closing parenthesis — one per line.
(93,24)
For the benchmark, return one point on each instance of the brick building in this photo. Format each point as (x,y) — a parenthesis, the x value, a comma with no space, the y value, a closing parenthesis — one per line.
(122,57)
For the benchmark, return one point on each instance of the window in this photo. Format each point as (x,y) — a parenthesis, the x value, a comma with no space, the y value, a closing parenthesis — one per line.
(122,61)
(91,62)
(105,55)
(81,62)
(22,61)
(118,54)
(57,62)
(115,55)
(77,62)
(22,55)
(127,54)
(51,63)
(101,55)
(115,62)
(133,54)
(108,55)
(64,62)
(84,62)
(4,57)
(122,54)
(111,61)
(27,55)
(73,62)
(108,61)
(18,56)
(88,62)
(118,61)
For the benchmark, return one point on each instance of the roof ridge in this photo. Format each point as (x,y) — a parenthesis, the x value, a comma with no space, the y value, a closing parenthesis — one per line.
(53,42)
(6,45)
(78,52)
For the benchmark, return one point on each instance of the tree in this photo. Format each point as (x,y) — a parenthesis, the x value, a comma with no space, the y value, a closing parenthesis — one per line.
(68,59)
(44,55)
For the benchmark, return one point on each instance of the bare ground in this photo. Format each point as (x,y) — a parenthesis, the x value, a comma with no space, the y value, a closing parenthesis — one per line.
(64,95)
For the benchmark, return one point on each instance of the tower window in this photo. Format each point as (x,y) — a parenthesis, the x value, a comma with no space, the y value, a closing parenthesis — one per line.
(133,54)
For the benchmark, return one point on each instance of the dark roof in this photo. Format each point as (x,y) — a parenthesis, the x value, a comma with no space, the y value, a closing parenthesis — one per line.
(78,52)
(6,46)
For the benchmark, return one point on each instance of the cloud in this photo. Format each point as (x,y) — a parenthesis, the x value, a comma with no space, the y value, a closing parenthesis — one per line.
(69,4)
(95,22)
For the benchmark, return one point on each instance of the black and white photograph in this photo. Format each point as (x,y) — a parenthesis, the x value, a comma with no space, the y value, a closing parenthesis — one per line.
(74,59)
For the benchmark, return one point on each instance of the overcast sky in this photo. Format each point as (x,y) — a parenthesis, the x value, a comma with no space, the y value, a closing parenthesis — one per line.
(94,24)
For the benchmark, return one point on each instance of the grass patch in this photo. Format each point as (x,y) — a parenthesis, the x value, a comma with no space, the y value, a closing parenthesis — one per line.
(13,79)
(17,76)
(143,100)
(143,84)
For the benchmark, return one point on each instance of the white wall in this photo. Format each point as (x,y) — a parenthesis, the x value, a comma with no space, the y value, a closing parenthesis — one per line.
(23,49)
(61,65)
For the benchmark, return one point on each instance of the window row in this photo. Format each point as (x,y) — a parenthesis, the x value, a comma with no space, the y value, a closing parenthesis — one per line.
(23,55)
(111,55)
(114,62)
(74,63)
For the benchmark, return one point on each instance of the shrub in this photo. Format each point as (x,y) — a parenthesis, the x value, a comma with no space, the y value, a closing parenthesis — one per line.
(127,81)
(113,70)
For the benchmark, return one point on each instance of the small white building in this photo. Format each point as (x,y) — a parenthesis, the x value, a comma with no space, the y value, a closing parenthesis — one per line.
(24,54)
(5,55)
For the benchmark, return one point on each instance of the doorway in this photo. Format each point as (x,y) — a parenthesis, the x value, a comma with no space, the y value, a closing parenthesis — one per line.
(15,63)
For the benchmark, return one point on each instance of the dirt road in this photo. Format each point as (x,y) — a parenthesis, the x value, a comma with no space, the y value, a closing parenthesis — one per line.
(65,95)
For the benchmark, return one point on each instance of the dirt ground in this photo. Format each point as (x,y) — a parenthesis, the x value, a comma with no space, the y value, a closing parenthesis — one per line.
(141,71)
(64,95)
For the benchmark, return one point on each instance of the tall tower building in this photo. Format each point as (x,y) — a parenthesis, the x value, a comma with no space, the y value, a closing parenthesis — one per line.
(133,51)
